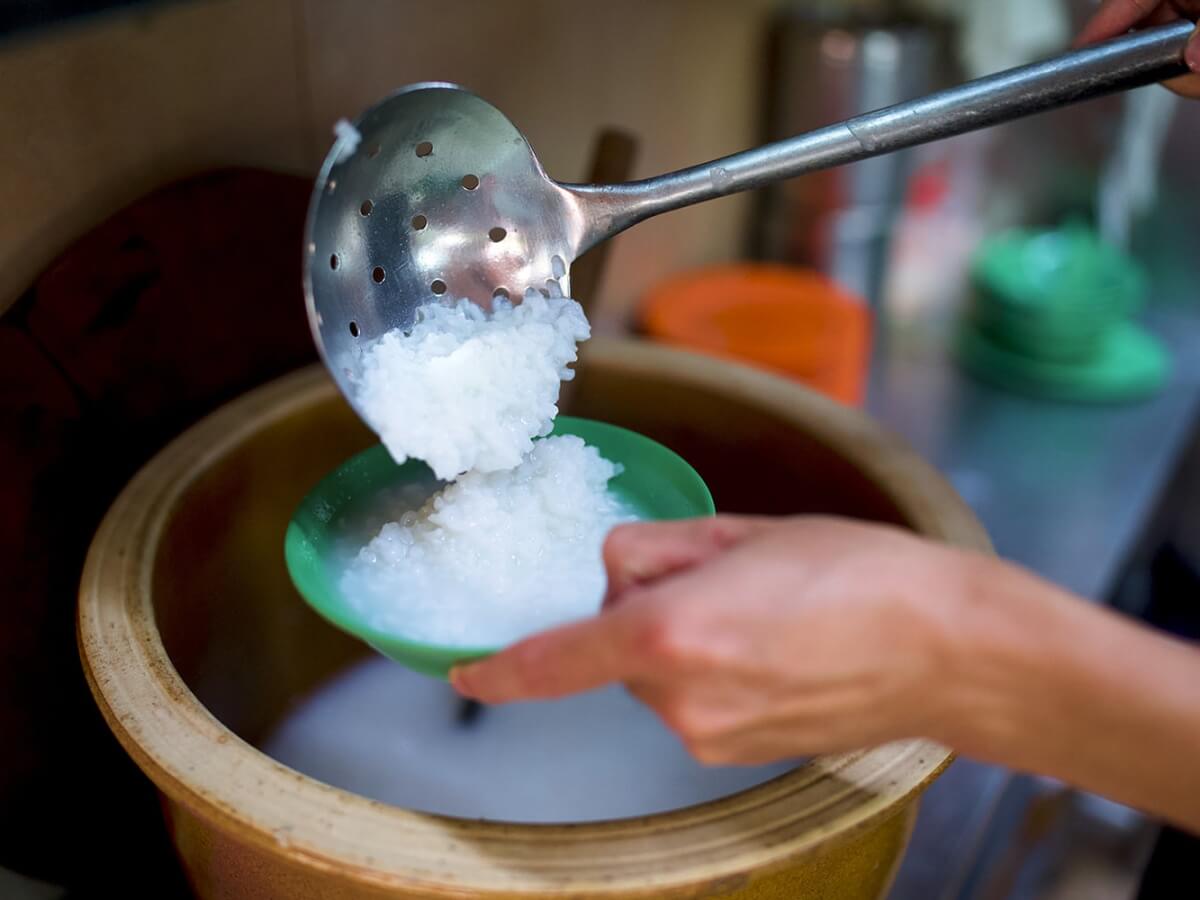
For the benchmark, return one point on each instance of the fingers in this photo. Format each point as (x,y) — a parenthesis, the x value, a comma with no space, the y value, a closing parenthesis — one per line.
(566,660)
(645,551)
(614,645)
(1116,17)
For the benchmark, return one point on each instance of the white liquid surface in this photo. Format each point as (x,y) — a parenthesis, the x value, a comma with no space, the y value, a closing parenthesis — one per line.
(386,733)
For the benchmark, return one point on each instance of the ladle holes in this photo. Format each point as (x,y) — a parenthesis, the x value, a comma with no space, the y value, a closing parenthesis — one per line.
(424,149)
(470,182)
(500,294)
(377,274)
(353,329)
(373,151)
(497,234)
(438,287)
(419,223)
(366,207)
(334,261)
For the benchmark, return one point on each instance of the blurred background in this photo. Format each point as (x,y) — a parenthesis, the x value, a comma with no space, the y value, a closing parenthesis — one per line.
(155,173)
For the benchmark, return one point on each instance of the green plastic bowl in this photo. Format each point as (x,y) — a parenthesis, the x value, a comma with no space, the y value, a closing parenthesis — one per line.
(656,482)
(1052,294)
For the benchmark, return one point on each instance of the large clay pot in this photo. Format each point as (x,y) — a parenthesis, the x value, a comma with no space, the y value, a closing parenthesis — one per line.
(195,644)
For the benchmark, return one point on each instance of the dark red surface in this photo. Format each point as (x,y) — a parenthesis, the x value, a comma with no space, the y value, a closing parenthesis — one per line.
(173,306)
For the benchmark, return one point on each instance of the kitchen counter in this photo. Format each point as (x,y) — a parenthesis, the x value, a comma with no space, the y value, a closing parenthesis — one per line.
(1070,491)
(1062,489)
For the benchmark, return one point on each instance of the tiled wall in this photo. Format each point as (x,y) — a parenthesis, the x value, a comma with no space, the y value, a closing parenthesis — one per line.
(95,115)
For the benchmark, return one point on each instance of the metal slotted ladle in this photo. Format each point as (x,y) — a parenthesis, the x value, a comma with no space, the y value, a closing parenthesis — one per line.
(438,195)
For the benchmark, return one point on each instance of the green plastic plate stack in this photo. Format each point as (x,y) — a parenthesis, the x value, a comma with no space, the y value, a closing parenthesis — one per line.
(1051,317)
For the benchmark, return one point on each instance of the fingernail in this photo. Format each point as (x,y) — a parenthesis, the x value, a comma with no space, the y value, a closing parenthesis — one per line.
(1191,53)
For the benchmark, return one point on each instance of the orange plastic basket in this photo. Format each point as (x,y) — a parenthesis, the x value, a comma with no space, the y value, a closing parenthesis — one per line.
(792,321)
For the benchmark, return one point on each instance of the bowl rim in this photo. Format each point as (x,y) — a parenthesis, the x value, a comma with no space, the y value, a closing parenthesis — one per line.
(202,765)
(326,600)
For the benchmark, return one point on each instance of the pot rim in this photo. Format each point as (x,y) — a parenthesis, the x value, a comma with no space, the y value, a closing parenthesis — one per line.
(199,763)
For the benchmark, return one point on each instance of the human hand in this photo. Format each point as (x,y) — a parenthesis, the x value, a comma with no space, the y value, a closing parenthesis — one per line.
(765,639)
(757,639)
(1118,16)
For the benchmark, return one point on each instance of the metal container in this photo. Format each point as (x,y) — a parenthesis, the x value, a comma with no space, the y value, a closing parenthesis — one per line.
(825,67)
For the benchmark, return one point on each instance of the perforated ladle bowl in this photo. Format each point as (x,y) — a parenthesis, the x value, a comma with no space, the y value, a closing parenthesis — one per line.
(439,195)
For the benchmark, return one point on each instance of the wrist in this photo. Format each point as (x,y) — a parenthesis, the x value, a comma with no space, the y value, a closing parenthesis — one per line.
(1008,638)
(1041,681)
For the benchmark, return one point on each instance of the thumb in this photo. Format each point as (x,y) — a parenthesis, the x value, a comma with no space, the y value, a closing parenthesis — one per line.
(1112,18)
(565,660)
(641,552)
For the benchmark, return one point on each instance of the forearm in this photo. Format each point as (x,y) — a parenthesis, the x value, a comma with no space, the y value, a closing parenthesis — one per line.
(1045,682)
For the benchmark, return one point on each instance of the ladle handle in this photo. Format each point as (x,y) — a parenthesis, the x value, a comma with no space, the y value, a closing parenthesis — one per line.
(1129,61)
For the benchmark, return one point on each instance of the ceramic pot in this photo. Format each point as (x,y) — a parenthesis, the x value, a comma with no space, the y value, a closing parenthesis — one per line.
(195,645)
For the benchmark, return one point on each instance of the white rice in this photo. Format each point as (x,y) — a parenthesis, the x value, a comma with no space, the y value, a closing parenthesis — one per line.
(467,391)
(494,556)
(348,138)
